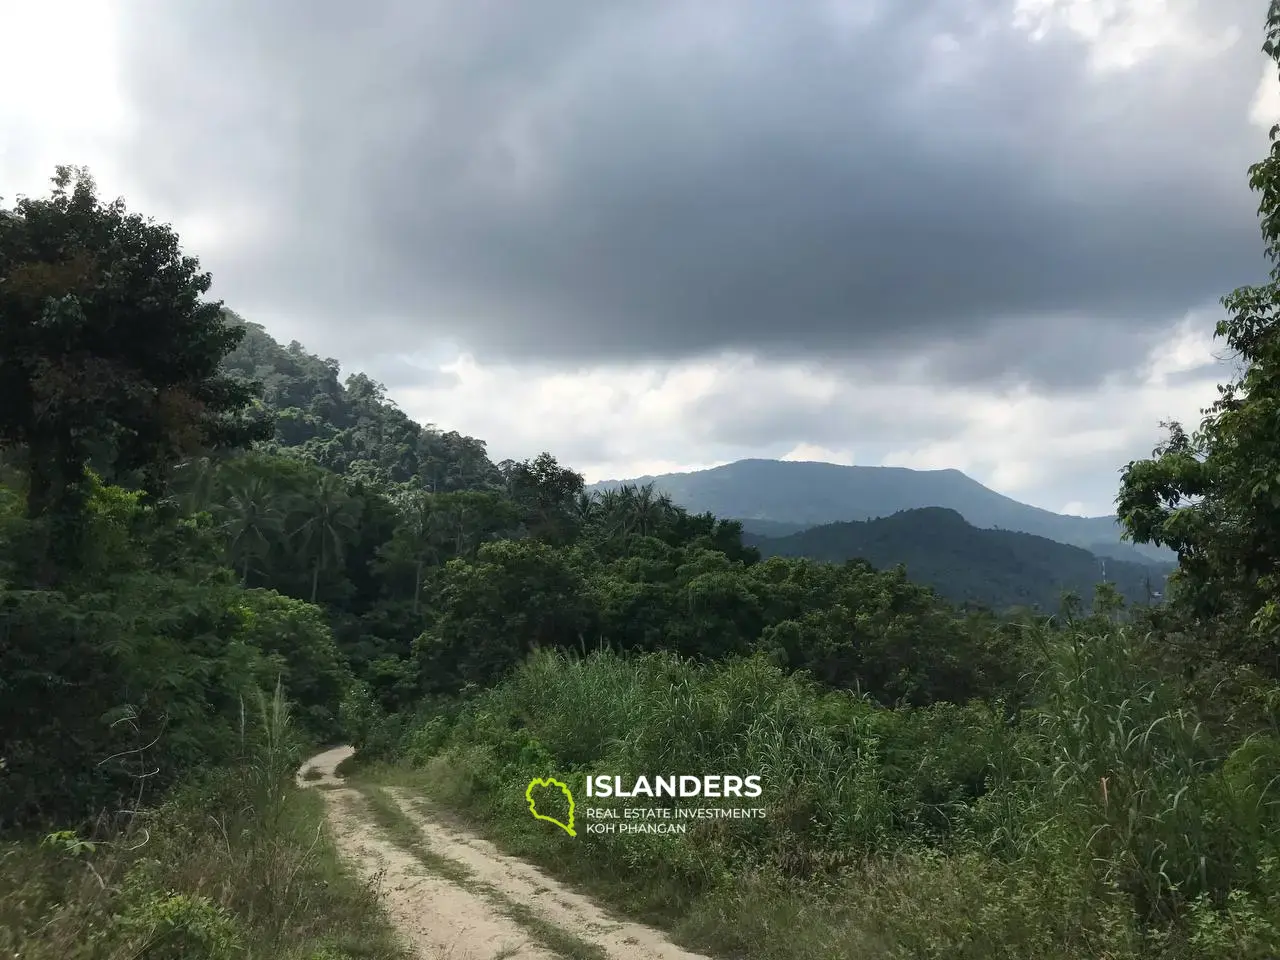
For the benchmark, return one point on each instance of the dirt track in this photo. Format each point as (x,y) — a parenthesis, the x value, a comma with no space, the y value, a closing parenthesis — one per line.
(440,917)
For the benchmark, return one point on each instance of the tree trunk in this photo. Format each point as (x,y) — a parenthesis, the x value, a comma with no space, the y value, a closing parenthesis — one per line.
(56,501)
(417,586)
(315,580)
(244,576)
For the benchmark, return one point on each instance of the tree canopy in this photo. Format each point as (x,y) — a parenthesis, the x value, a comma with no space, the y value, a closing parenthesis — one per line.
(1213,494)
(109,356)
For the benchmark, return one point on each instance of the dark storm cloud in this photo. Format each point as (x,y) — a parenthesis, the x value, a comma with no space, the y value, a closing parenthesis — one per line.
(589,181)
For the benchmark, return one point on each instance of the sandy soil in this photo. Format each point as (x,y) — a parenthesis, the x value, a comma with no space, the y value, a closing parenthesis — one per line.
(436,918)
(441,919)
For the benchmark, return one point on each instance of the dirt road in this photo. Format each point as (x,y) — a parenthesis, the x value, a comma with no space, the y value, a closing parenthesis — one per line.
(453,895)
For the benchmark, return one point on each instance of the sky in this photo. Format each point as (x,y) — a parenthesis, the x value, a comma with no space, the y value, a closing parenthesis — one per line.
(989,235)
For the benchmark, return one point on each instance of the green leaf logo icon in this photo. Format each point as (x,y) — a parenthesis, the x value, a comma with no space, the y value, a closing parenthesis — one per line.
(533,804)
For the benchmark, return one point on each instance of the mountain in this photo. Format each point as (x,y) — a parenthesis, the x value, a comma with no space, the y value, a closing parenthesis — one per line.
(808,494)
(996,568)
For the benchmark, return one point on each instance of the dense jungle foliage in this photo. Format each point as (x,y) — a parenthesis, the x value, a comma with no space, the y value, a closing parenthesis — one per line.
(194,519)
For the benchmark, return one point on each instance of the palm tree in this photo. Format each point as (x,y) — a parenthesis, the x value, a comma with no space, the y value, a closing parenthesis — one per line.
(646,510)
(585,507)
(252,518)
(330,513)
(614,510)
(421,526)
(195,482)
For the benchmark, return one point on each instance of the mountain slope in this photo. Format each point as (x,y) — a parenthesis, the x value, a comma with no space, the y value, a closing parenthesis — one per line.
(997,568)
(352,427)
(811,493)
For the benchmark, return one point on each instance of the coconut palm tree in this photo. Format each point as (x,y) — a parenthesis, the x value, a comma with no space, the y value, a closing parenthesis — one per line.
(645,509)
(585,507)
(252,519)
(330,522)
(195,481)
(421,528)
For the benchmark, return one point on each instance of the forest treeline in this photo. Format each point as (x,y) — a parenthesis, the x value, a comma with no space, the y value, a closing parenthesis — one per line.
(202,532)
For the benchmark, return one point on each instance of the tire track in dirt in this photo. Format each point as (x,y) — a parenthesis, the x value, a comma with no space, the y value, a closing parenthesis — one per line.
(437,919)
(443,917)
(521,882)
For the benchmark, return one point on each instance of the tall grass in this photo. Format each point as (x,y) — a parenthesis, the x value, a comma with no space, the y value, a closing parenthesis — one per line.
(1105,820)
(233,864)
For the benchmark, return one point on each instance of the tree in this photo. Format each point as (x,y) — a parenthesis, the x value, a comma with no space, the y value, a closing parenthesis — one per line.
(516,595)
(547,494)
(469,518)
(585,507)
(296,637)
(107,353)
(1214,495)
(330,524)
(195,481)
(253,519)
(419,536)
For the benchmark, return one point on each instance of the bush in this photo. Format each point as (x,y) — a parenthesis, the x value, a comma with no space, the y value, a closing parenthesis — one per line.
(1101,818)
(232,864)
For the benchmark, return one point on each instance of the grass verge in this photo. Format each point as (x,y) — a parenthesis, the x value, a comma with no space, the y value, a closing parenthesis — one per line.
(1106,822)
(911,905)
(200,876)
(235,864)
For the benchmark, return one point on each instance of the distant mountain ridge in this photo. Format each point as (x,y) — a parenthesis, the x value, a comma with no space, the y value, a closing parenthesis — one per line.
(810,493)
(998,569)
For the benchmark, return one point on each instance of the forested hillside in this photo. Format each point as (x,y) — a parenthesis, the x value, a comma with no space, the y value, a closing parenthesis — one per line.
(965,564)
(349,425)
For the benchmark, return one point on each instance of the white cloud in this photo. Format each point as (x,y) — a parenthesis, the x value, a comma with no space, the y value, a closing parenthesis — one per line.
(812,452)
(61,102)
(60,94)
(627,422)
(1123,34)
(1264,110)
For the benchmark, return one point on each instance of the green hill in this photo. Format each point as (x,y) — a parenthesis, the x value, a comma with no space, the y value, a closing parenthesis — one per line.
(350,426)
(994,568)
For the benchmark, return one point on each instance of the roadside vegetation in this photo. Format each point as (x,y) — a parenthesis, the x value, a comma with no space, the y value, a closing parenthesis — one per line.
(231,863)
(1105,818)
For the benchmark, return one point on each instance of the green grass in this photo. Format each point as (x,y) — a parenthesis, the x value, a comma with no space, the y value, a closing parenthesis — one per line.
(907,905)
(197,873)
(1108,821)
(233,865)
(654,896)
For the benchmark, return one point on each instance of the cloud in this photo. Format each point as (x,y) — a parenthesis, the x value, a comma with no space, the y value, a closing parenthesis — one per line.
(1010,191)
(397,372)
(59,99)
(1046,449)
(812,453)
(663,235)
